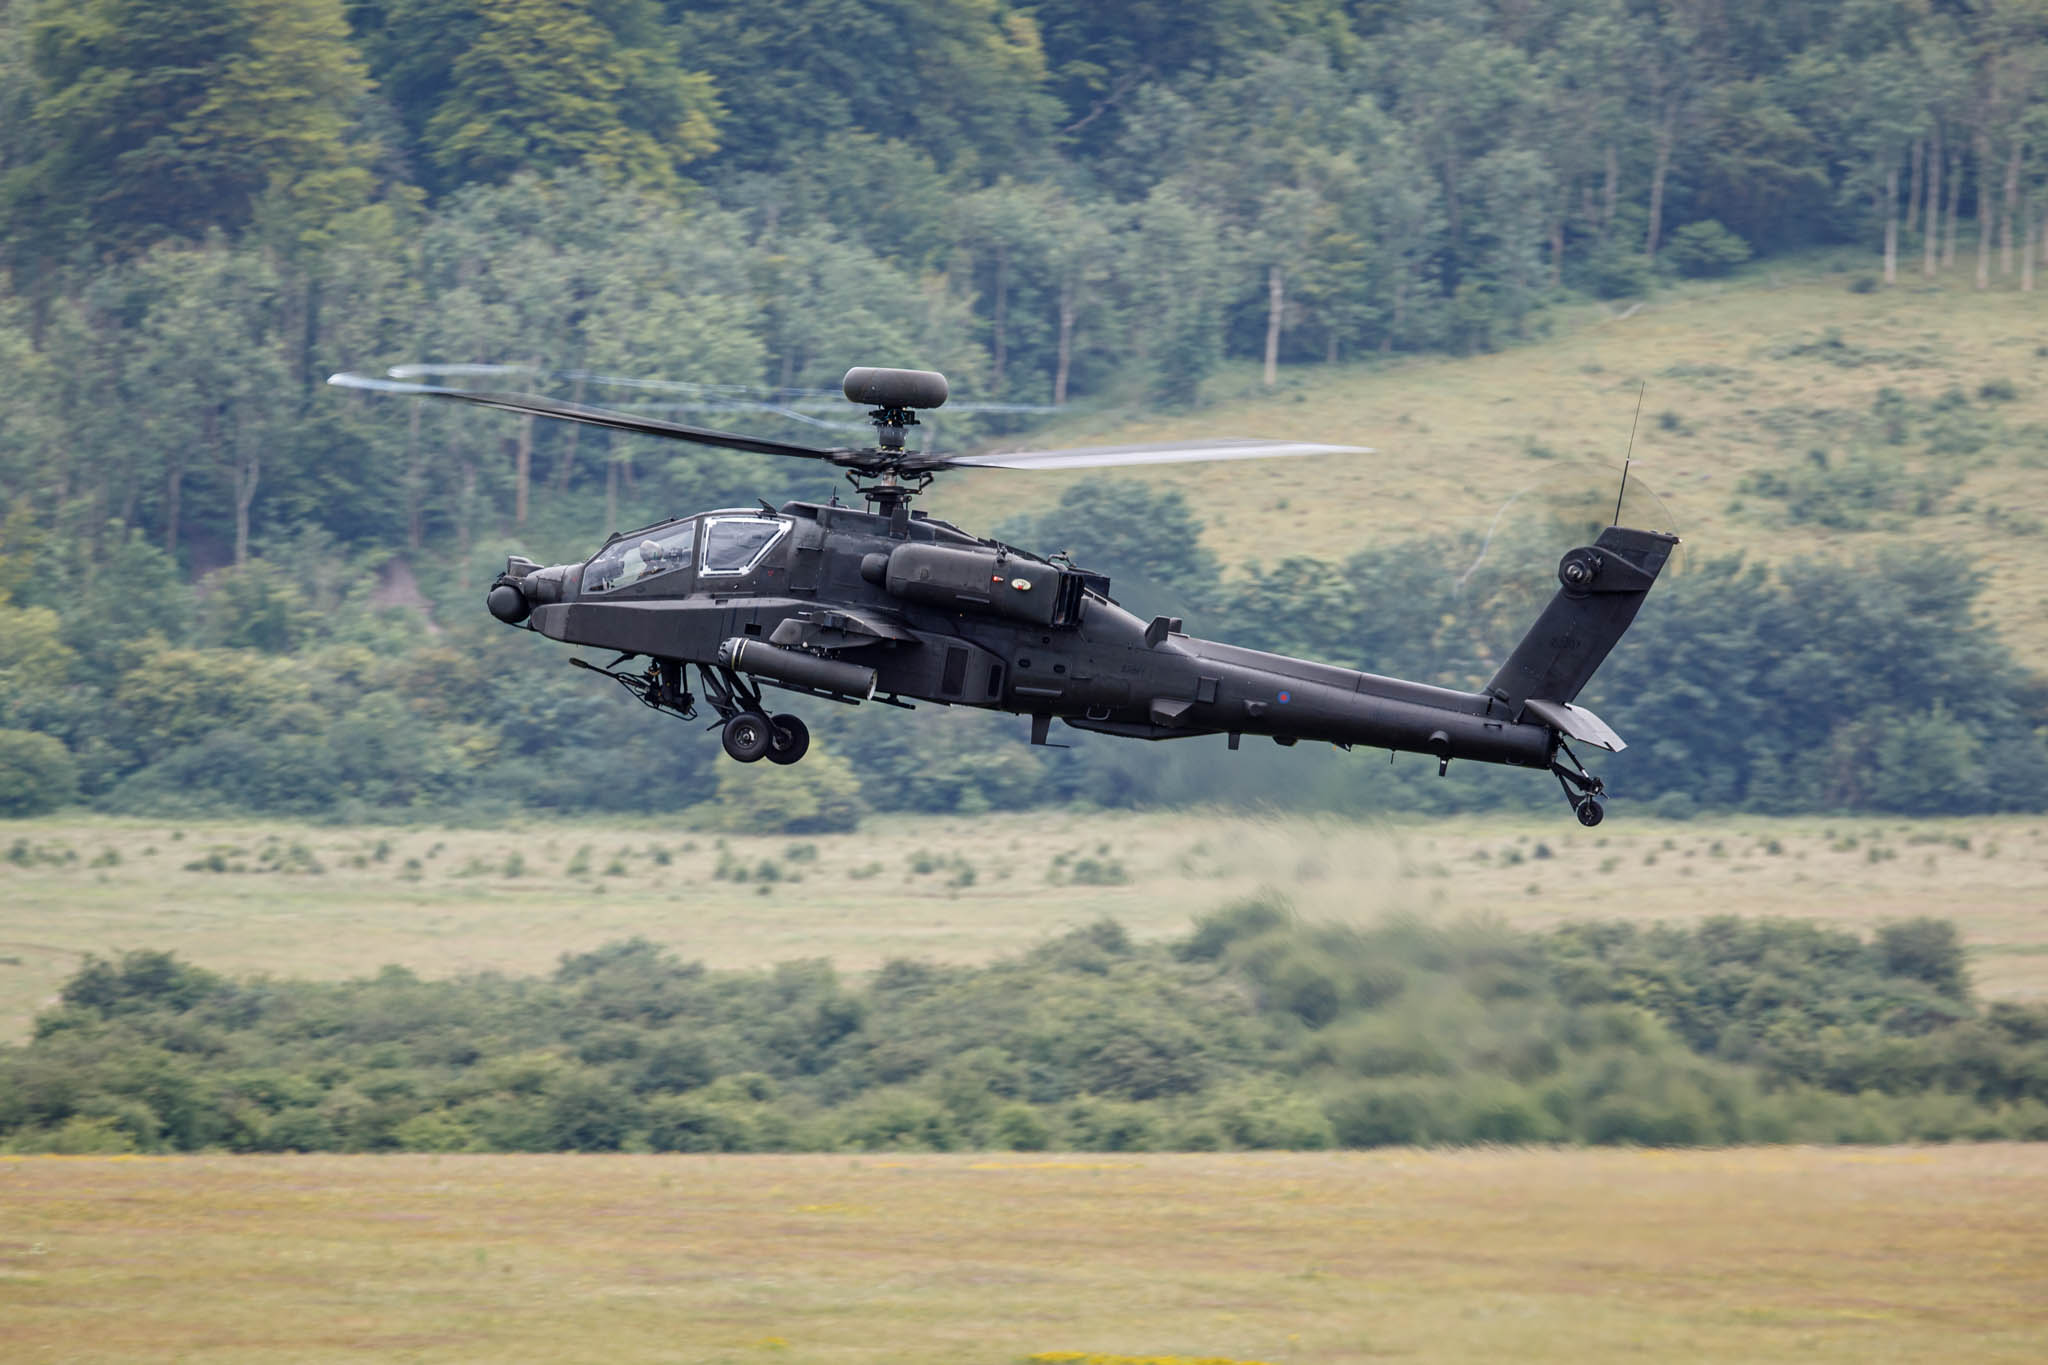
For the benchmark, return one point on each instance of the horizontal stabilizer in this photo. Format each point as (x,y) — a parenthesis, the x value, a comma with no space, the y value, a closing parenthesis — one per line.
(1575,722)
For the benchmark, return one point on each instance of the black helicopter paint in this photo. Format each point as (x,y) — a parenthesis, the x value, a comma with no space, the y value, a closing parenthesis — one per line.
(889,605)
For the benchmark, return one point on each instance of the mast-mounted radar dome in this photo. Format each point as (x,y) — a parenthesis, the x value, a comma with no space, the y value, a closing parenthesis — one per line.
(879,388)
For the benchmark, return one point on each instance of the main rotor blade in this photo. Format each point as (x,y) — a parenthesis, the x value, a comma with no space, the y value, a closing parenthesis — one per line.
(1167,452)
(700,396)
(531,406)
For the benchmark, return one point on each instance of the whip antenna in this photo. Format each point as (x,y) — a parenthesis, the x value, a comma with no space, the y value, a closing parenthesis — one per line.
(1622,492)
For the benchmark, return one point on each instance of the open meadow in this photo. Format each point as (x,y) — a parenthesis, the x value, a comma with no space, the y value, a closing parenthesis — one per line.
(1772,1254)
(1744,376)
(302,900)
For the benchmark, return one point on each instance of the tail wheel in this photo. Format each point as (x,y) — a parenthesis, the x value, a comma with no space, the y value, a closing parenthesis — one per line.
(1590,811)
(748,736)
(789,739)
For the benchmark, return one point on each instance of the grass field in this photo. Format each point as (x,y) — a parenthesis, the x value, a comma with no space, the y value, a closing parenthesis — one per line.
(246,897)
(1582,1256)
(1737,383)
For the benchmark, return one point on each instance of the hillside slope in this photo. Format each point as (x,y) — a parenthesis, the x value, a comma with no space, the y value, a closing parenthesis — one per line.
(1785,415)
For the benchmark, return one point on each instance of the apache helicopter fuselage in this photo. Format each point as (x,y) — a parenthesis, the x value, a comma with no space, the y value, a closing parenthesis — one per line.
(887,605)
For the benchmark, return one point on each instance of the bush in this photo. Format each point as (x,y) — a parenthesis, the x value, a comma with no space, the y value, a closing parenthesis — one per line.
(76,1136)
(1215,932)
(1395,1115)
(1020,1128)
(1620,272)
(36,774)
(819,796)
(1925,949)
(1705,248)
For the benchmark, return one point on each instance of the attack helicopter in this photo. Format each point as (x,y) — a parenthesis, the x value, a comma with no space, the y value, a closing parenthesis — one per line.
(888,605)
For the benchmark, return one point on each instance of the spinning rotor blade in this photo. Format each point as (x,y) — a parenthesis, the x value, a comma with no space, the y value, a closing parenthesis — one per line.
(531,406)
(703,397)
(869,461)
(1167,452)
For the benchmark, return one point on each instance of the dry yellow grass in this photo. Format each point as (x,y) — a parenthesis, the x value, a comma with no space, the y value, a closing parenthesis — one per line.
(1567,1256)
(1452,436)
(458,911)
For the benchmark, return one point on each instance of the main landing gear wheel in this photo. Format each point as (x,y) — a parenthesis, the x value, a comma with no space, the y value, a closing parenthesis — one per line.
(789,739)
(748,736)
(1590,810)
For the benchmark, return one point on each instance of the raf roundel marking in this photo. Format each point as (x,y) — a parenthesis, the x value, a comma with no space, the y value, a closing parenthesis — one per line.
(1286,697)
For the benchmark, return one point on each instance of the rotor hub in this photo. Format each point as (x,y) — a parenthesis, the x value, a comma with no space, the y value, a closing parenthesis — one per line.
(891,425)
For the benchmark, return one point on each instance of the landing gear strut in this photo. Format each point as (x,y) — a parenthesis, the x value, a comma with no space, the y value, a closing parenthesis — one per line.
(750,734)
(1588,802)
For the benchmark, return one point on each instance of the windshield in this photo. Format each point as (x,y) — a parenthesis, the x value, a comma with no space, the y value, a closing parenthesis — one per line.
(734,545)
(642,556)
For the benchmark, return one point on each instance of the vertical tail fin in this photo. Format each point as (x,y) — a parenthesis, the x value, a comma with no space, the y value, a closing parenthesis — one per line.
(1603,585)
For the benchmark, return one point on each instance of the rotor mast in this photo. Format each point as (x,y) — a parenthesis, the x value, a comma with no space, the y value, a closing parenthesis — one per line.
(895,395)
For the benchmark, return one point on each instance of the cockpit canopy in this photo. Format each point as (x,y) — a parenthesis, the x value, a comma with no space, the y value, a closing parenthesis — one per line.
(736,544)
(629,559)
(733,544)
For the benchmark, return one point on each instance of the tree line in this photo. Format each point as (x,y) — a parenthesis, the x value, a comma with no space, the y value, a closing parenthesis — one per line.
(1255,1030)
(207,208)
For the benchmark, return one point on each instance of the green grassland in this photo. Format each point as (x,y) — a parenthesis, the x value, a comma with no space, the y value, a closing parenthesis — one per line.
(1744,376)
(299,900)
(1774,1254)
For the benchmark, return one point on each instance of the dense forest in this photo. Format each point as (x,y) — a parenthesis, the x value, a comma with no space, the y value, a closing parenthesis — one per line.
(205,208)
(1256,1030)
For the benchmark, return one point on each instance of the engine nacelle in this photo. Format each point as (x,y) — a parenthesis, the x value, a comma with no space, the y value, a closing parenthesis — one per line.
(978,580)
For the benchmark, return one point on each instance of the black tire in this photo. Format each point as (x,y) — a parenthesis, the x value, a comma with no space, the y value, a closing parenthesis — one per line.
(748,736)
(789,739)
(1590,811)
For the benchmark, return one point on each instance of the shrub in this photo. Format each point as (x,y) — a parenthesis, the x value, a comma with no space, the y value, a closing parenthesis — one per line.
(1705,248)
(1020,1128)
(1215,932)
(1925,949)
(37,774)
(76,1136)
(1397,1115)
(1619,272)
(1507,1114)
(693,1125)
(819,796)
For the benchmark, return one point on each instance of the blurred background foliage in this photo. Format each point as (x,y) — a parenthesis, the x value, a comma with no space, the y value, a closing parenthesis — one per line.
(1255,1030)
(225,586)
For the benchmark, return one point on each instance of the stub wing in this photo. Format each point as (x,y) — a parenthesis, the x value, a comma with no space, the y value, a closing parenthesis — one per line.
(836,630)
(1575,722)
